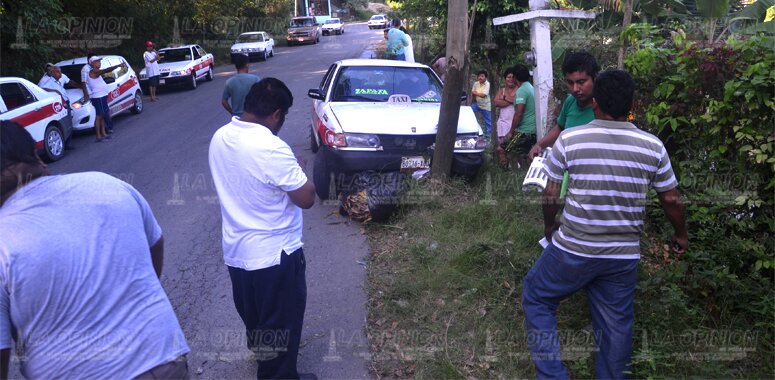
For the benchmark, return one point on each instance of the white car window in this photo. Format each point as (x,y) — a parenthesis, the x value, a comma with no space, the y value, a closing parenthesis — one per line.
(377,84)
(175,55)
(15,95)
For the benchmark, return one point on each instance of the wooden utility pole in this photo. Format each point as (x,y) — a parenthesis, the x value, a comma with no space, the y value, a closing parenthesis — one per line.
(449,113)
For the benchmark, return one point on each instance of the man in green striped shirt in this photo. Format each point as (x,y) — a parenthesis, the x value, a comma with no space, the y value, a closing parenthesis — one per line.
(595,245)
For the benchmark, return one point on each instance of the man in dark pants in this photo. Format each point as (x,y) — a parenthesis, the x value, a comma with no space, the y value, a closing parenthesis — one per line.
(595,245)
(262,189)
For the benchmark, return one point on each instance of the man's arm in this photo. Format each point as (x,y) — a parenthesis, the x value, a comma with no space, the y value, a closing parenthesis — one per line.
(304,196)
(674,210)
(226,106)
(550,207)
(546,141)
(157,256)
(5,359)
(85,91)
(518,111)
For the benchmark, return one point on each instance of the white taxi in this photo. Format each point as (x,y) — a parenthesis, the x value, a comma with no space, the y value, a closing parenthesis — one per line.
(333,26)
(182,65)
(42,113)
(382,115)
(125,94)
(254,45)
(378,22)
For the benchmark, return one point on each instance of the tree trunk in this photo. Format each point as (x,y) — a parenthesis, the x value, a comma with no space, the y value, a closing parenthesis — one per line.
(453,89)
(628,5)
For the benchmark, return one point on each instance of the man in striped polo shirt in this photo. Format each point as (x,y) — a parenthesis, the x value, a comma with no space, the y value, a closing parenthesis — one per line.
(595,245)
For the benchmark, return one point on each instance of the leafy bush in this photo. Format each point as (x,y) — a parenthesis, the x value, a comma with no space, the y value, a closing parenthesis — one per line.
(713,106)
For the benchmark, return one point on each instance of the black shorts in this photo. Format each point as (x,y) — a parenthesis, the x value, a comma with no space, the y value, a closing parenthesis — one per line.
(153,81)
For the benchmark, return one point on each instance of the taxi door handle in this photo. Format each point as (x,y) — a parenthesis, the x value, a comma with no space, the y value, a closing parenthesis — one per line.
(36,109)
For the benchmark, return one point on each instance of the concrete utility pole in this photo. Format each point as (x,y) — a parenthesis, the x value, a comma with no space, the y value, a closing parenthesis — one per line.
(541,44)
(457,33)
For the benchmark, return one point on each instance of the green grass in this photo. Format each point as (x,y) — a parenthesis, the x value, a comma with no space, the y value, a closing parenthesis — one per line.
(445,283)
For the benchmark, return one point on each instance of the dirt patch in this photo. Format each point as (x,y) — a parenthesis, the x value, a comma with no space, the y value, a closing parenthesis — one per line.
(379,8)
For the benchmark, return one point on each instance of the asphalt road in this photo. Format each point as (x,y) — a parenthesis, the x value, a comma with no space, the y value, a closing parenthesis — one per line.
(163,153)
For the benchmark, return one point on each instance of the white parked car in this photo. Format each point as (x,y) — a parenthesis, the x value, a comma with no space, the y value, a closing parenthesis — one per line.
(42,113)
(382,115)
(254,45)
(182,65)
(378,22)
(125,91)
(333,26)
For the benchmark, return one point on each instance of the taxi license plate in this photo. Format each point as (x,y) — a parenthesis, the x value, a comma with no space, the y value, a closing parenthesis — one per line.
(413,163)
(161,81)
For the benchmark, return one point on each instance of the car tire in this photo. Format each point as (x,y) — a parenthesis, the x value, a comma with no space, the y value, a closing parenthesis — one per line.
(209,76)
(138,107)
(192,83)
(265,56)
(313,143)
(321,177)
(53,143)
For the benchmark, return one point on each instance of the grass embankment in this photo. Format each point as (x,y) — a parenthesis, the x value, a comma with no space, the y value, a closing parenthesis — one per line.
(445,281)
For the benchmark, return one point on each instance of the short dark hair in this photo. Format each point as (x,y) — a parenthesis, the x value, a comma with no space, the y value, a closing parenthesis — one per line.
(521,73)
(267,96)
(510,70)
(241,60)
(396,22)
(16,145)
(580,61)
(480,72)
(613,92)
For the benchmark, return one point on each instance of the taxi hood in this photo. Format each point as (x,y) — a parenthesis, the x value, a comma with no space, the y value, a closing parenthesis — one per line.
(398,118)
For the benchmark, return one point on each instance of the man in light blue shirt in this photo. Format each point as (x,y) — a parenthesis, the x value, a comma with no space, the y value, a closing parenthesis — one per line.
(396,41)
(80,261)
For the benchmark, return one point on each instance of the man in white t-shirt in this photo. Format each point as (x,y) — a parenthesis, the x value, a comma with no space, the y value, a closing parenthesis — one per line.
(80,259)
(85,70)
(151,58)
(262,189)
(55,80)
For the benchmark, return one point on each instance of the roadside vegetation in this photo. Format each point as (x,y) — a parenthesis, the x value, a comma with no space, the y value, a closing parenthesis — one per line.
(445,275)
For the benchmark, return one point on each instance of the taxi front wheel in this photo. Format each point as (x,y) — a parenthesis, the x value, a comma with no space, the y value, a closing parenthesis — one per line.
(53,143)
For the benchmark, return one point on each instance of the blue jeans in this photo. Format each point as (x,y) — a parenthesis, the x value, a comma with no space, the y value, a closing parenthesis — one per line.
(102,108)
(487,115)
(610,286)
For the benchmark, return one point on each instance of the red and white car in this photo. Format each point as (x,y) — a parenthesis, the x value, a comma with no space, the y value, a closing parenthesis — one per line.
(42,113)
(182,65)
(125,91)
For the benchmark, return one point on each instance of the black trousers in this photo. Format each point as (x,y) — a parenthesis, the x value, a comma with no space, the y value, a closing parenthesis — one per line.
(271,303)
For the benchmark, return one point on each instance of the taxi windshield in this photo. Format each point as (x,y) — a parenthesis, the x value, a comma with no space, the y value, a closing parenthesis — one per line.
(175,55)
(333,21)
(250,38)
(378,83)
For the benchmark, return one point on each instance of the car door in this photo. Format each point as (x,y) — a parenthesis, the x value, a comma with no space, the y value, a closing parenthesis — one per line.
(111,78)
(22,107)
(124,83)
(199,59)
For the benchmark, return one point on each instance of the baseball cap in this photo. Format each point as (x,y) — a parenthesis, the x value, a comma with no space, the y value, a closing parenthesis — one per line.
(49,64)
(94,59)
(148,43)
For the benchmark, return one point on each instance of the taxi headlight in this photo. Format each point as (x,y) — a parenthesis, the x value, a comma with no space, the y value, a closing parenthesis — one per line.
(470,142)
(362,140)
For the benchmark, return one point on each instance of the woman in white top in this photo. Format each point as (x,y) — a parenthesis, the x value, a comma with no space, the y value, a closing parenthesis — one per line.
(98,92)
(504,100)
(409,49)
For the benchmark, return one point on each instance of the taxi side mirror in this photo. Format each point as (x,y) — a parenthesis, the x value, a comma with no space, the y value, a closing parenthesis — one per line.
(315,93)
